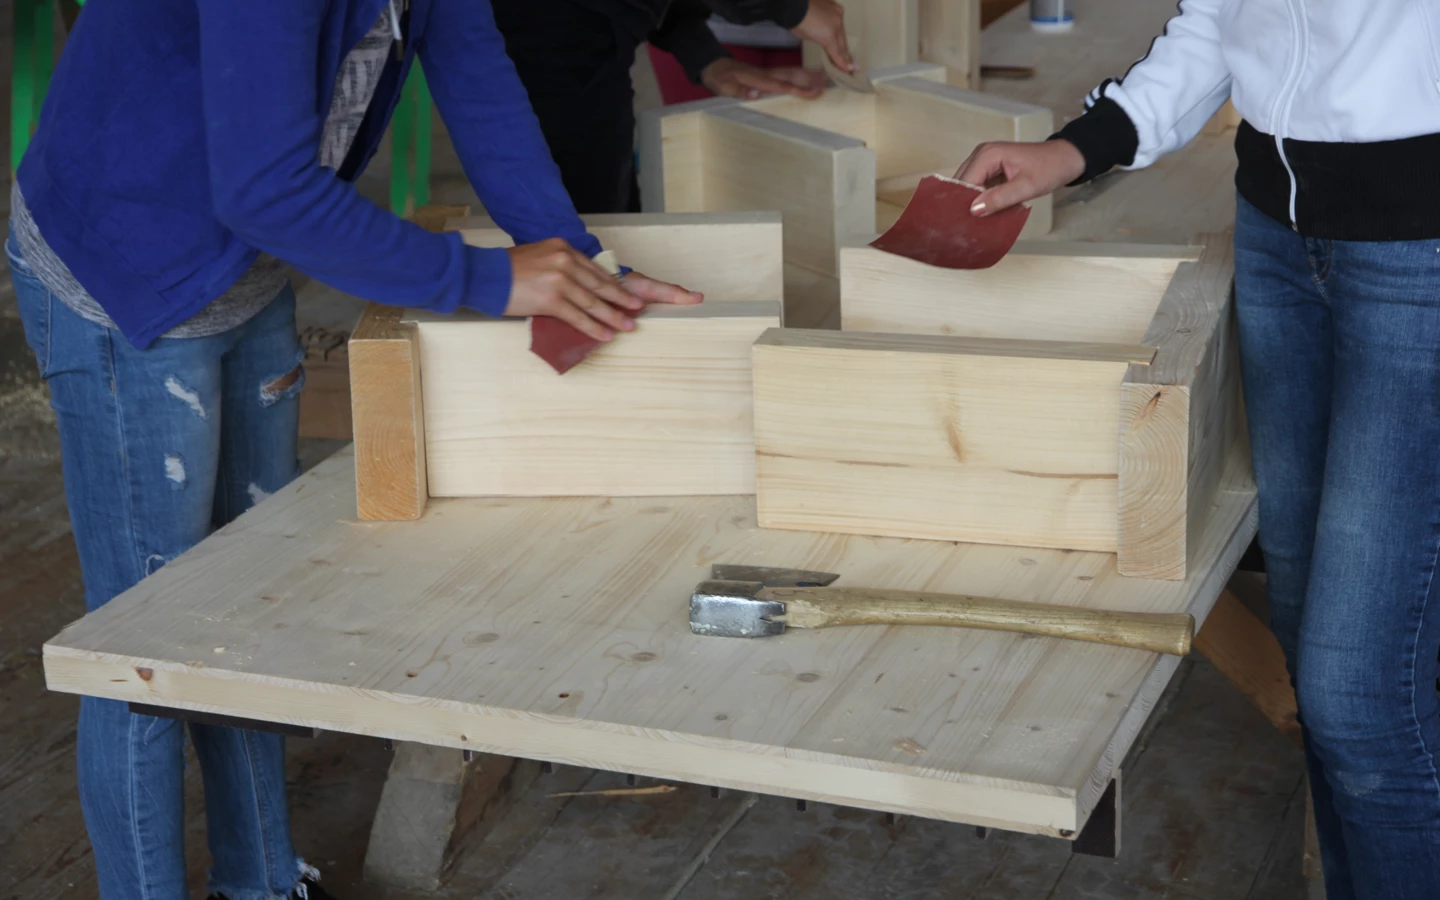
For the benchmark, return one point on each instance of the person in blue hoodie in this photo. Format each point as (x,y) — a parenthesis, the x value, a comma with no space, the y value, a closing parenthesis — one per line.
(187,151)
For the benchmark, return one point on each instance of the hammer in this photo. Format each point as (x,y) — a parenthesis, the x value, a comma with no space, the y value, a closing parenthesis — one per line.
(759,601)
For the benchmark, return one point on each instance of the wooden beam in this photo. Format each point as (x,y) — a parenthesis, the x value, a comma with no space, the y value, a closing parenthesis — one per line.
(434,801)
(1041,290)
(662,410)
(1180,417)
(950,36)
(389,416)
(387,410)
(1244,650)
(988,441)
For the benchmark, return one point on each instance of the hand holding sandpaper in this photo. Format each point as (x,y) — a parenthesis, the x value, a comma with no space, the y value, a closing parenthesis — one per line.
(955,224)
(938,228)
(577,303)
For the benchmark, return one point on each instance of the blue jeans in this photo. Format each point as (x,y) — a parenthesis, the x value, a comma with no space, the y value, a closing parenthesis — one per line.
(1340,351)
(159,447)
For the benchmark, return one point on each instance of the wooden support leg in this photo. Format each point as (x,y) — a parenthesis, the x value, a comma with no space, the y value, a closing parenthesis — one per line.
(1243,649)
(1101,834)
(433,801)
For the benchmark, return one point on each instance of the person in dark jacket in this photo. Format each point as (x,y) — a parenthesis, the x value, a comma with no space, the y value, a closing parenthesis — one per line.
(187,149)
(574,58)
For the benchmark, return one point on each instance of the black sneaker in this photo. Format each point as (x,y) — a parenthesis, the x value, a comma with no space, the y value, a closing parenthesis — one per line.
(307,889)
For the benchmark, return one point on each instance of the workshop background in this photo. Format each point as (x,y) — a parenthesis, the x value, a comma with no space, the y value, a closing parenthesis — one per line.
(1214,801)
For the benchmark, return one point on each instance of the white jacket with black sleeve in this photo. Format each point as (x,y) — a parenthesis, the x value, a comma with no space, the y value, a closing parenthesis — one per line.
(1340,101)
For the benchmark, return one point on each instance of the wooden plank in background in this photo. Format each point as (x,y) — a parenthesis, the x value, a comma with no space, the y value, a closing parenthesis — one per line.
(821,181)
(952,439)
(950,36)
(1041,290)
(662,410)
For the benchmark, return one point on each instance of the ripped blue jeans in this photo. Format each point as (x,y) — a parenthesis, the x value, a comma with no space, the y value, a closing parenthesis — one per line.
(1340,351)
(159,447)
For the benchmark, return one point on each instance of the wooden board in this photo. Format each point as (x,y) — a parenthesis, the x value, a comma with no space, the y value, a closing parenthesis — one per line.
(1179,416)
(662,410)
(388,415)
(725,256)
(825,160)
(556,629)
(992,441)
(1042,290)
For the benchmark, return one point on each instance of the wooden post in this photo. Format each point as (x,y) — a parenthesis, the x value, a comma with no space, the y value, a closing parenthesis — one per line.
(387,407)
(433,801)
(389,416)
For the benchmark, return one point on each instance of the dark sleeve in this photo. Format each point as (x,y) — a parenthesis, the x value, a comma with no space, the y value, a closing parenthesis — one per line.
(1105,136)
(684,32)
(785,13)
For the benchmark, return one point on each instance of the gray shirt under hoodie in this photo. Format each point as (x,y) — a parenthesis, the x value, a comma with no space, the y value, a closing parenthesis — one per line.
(354,89)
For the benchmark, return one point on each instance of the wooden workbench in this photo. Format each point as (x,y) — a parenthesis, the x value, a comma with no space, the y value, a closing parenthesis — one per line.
(555,629)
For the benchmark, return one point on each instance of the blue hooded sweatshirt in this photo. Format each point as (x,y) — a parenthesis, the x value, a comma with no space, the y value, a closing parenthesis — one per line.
(180,137)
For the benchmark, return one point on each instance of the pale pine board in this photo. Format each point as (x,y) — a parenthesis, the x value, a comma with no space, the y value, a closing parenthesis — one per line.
(992,441)
(557,629)
(725,256)
(1039,291)
(663,410)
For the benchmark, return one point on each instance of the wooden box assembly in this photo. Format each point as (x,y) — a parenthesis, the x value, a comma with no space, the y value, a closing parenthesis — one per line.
(839,167)
(1079,396)
(456,406)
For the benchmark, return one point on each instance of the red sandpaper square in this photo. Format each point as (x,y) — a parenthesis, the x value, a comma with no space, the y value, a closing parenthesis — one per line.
(561,344)
(938,228)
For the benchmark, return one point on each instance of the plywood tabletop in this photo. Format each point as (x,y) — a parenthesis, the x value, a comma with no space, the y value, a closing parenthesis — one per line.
(557,629)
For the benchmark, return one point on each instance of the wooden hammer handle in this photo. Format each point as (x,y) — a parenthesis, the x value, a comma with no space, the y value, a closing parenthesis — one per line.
(820,607)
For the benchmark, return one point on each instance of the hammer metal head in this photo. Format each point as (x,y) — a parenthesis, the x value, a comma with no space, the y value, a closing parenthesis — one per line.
(770,576)
(734,609)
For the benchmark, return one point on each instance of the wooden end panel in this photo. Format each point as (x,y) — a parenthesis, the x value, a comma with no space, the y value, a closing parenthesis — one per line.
(389,417)
(1154,479)
(1181,418)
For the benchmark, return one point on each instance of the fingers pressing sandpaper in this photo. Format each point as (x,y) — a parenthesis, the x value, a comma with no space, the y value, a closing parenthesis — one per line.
(938,228)
(561,344)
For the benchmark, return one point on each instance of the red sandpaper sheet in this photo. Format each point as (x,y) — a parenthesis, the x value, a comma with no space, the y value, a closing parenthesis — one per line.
(938,228)
(561,344)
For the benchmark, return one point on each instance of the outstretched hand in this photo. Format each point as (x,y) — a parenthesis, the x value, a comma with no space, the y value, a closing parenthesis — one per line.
(824,24)
(551,278)
(1015,173)
(729,77)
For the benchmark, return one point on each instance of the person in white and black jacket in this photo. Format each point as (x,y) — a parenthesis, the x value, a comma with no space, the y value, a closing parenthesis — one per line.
(1337,288)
